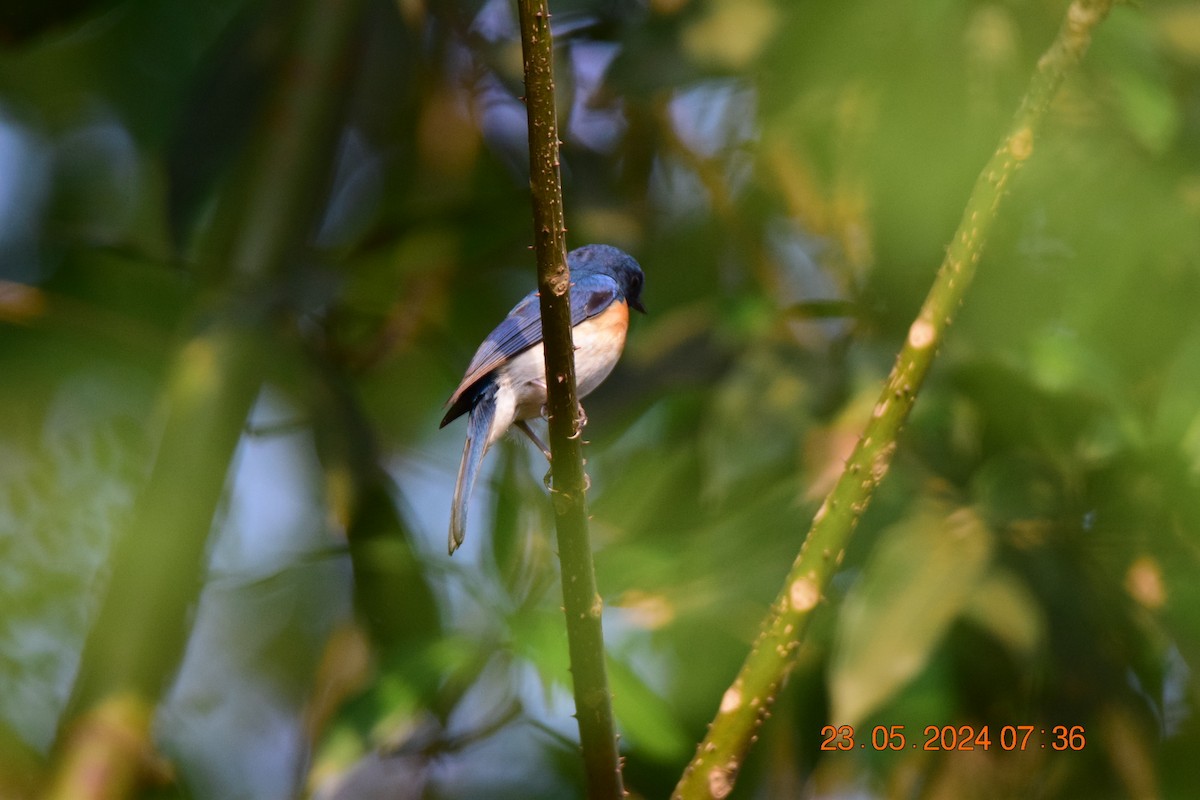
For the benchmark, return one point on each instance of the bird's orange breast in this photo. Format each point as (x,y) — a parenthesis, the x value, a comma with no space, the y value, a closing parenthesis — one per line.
(598,345)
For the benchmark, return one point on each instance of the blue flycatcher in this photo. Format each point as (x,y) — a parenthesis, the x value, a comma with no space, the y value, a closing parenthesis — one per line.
(505,383)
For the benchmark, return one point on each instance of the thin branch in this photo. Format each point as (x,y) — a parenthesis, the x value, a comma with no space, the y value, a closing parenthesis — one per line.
(581,600)
(748,700)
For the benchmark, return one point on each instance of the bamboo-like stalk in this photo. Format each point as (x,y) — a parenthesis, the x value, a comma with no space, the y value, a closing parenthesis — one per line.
(140,632)
(581,600)
(748,701)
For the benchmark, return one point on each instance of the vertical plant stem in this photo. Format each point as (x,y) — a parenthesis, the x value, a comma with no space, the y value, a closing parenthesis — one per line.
(581,600)
(141,629)
(139,636)
(747,702)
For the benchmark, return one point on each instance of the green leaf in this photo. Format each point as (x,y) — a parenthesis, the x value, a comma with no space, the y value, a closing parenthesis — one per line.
(1178,420)
(1130,55)
(1004,607)
(920,578)
(1149,108)
(646,719)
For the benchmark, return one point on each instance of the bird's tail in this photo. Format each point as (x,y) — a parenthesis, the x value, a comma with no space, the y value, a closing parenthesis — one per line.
(479,425)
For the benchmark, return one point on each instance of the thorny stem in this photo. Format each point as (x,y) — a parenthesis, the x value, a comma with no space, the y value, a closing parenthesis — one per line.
(581,600)
(747,702)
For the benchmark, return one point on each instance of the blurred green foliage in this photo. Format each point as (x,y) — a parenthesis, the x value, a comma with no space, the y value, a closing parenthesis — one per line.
(787,173)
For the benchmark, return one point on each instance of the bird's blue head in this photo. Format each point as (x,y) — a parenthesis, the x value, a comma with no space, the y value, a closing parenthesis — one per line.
(603,259)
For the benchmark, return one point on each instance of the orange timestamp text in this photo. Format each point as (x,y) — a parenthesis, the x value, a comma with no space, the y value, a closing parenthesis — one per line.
(956,737)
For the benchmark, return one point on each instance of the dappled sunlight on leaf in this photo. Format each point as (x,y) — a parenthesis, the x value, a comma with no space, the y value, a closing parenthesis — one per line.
(918,580)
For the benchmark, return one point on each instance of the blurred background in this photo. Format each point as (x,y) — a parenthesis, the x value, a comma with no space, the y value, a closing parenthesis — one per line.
(788,174)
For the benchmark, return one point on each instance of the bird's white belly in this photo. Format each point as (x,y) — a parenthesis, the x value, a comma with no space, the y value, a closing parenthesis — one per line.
(598,345)
(522,381)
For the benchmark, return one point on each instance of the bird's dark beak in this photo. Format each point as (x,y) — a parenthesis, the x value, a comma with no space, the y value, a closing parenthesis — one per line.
(638,305)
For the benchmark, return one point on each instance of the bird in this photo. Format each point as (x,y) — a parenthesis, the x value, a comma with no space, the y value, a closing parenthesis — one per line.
(505,383)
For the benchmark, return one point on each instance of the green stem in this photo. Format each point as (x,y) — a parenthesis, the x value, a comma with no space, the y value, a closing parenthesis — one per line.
(581,600)
(747,702)
(138,639)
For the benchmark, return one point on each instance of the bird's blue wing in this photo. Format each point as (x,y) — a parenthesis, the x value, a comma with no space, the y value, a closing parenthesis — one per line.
(520,330)
(591,293)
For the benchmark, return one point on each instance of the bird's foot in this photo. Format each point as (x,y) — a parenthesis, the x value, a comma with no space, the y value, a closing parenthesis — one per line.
(533,437)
